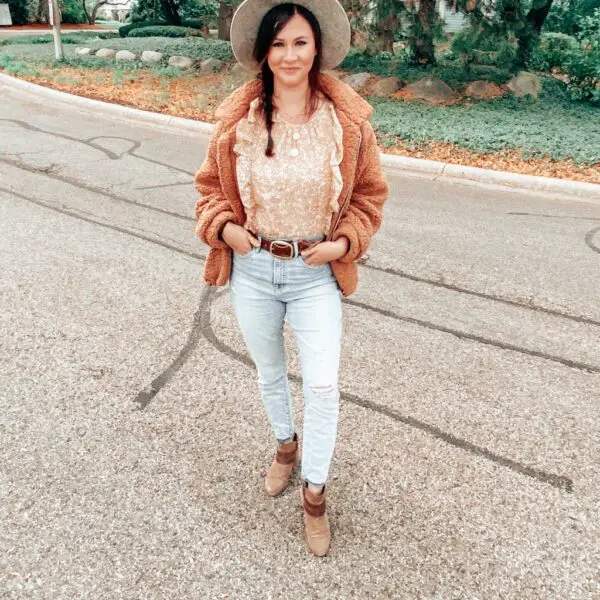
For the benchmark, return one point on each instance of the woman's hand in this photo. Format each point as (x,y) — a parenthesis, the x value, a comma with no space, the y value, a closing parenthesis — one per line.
(325,252)
(240,240)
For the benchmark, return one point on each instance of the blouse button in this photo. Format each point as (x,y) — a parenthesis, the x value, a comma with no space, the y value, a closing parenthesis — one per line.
(296,136)
(294,152)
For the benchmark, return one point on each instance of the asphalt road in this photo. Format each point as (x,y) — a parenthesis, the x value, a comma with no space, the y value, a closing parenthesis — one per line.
(133,441)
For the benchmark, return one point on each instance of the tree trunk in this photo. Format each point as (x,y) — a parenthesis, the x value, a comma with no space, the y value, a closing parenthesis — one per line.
(92,17)
(529,36)
(171,12)
(386,30)
(226,11)
(87,14)
(422,42)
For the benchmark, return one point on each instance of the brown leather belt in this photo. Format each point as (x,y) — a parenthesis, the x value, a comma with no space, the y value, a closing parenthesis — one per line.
(285,249)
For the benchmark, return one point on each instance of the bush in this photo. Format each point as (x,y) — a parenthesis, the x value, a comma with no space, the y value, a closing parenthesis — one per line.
(162,31)
(584,75)
(207,11)
(555,50)
(72,12)
(589,29)
(476,45)
(125,30)
(18,11)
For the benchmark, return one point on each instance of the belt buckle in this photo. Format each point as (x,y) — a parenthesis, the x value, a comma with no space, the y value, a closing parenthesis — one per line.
(283,244)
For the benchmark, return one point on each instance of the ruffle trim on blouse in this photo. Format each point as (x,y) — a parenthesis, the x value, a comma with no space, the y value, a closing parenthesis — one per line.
(245,147)
(337,154)
(248,135)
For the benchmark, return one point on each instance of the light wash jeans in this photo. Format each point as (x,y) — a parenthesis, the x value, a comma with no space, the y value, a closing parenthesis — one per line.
(264,291)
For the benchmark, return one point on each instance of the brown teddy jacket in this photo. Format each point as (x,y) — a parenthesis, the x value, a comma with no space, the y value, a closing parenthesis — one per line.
(360,202)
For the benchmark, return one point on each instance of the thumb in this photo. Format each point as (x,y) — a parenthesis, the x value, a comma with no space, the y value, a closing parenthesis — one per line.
(253,240)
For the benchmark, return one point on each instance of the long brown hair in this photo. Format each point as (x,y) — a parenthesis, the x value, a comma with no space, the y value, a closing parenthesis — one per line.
(273,22)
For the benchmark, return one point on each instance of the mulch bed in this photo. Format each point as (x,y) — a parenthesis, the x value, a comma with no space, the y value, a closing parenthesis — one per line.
(197,96)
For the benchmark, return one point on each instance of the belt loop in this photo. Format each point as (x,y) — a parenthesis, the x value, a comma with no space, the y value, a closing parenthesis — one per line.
(296,252)
(259,242)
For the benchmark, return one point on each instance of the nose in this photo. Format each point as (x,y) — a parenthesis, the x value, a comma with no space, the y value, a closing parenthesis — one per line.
(290,54)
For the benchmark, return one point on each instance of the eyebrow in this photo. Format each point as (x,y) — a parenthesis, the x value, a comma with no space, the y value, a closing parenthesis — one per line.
(302,37)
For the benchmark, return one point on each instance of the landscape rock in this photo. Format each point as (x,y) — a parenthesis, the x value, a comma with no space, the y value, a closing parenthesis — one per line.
(149,56)
(385,87)
(357,81)
(485,90)
(525,84)
(125,55)
(181,62)
(211,65)
(431,89)
(106,53)
(83,51)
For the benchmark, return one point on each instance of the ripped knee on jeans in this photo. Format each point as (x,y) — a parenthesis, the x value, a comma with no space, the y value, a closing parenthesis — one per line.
(323,390)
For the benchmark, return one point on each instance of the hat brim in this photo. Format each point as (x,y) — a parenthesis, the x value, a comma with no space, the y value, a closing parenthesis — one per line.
(335,30)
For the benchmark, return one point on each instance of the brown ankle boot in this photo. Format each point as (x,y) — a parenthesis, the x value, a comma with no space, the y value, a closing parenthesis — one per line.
(316,523)
(278,474)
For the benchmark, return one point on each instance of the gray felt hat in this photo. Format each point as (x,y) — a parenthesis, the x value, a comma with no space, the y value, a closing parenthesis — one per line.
(335,30)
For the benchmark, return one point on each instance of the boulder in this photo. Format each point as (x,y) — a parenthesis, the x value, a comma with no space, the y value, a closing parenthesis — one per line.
(385,87)
(525,84)
(357,81)
(236,77)
(431,89)
(149,56)
(484,90)
(211,65)
(181,62)
(124,55)
(83,51)
(106,53)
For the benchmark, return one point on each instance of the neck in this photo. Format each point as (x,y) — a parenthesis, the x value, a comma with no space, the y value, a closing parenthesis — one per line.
(297,96)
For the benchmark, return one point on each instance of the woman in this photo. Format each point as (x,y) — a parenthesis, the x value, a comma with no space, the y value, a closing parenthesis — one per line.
(291,194)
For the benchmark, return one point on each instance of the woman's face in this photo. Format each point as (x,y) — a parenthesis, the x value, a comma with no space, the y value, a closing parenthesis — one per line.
(292,52)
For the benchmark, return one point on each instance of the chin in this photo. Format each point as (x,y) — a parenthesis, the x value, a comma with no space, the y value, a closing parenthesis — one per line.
(292,78)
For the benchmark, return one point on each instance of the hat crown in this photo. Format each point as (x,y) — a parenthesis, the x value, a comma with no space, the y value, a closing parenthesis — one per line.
(332,18)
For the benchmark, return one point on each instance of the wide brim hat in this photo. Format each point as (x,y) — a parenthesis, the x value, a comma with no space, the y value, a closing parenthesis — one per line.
(335,30)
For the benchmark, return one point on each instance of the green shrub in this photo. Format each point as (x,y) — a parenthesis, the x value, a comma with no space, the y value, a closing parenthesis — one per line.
(584,75)
(555,50)
(589,28)
(479,46)
(18,11)
(164,31)
(125,30)
(193,23)
(72,12)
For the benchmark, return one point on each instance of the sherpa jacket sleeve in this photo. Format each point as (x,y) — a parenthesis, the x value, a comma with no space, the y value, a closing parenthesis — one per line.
(212,209)
(364,213)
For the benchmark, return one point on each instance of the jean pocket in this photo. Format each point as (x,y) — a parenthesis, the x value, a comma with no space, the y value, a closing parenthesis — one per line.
(247,255)
(313,267)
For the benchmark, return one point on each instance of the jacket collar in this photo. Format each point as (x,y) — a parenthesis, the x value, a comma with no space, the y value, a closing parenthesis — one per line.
(344,98)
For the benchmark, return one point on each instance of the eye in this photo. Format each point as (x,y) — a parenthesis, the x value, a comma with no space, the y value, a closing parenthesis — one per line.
(301,43)
(277,44)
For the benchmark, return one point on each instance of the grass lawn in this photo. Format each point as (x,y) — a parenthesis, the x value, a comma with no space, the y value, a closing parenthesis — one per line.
(551,136)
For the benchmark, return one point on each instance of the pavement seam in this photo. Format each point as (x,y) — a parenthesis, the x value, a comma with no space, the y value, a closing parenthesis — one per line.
(571,190)
(556,481)
(384,312)
(201,323)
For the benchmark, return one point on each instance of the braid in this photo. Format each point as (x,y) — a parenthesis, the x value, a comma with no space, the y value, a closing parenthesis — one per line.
(267,100)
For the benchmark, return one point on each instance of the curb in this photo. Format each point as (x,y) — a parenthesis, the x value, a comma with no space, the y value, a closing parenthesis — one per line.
(431,169)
